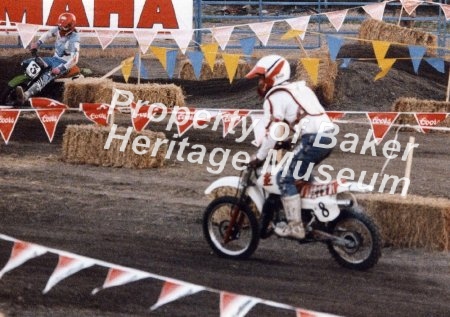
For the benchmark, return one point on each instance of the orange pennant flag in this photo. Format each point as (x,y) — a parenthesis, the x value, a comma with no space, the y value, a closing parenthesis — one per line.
(380,48)
(210,53)
(231,63)
(161,54)
(385,65)
(127,67)
(312,68)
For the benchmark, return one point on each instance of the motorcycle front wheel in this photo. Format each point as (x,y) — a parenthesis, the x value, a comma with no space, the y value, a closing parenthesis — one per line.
(231,229)
(362,247)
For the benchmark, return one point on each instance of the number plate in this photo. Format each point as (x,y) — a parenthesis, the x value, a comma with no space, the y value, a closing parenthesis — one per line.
(33,69)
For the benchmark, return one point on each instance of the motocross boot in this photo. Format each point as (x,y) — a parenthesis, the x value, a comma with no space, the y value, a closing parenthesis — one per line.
(20,96)
(294,228)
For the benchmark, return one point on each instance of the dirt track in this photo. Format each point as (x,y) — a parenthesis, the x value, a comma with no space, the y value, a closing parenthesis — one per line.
(151,220)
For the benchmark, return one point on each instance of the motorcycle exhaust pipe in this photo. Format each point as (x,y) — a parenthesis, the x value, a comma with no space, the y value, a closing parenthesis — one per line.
(345,202)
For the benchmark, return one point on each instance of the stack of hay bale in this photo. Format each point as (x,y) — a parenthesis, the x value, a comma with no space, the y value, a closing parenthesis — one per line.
(418,105)
(219,71)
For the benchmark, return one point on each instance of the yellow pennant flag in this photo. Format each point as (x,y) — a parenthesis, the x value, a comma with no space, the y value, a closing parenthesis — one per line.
(312,68)
(127,66)
(231,63)
(210,53)
(161,54)
(292,34)
(380,48)
(385,65)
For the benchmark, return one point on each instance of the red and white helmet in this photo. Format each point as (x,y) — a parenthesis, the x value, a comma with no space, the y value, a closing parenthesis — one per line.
(273,69)
(66,23)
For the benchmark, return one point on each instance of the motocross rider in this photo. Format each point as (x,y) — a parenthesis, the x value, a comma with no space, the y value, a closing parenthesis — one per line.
(67,47)
(296,105)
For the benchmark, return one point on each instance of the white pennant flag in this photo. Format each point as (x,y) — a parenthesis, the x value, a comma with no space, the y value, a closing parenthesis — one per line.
(222,35)
(182,37)
(337,18)
(117,277)
(446,9)
(410,5)
(26,32)
(145,38)
(22,252)
(262,30)
(172,291)
(67,266)
(375,10)
(233,305)
(299,24)
(105,37)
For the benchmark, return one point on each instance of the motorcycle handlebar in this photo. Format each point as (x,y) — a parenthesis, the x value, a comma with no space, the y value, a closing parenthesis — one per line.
(34,52)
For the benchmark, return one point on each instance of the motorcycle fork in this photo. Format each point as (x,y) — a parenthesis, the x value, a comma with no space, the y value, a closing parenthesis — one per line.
(236,222)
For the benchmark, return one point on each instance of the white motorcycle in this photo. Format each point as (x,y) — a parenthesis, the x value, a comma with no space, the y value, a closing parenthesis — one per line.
(234,224)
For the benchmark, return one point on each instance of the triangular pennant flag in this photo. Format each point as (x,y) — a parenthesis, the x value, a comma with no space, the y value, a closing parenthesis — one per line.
(375,10)
(385,65)
(183,37)
(26,32)
(334,45)
(210,53)
(185,119)
(299,24)
(305,313)
(262,30)
(345,62)
(144,71)
(312,68)
(259,130)
(231,118)
(49,112)
(127,67)
(171,62)
(222,35)
(66,267)
(426,120)
(410,5)
(292,34)
(337,18)
(20,253)
(172,291)
(161,55)
(446,9)
(138,63)
(437,63)
(117,277)
(196,58)
(335,115)
(233,305)
(380,49)
(248,46)
(142,117)
(105,37)
(231,62)
(416,52)
(381,122)
(96,112)
(8,120)
(145,38)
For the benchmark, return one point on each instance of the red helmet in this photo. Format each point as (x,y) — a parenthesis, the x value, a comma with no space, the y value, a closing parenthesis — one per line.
(66,23)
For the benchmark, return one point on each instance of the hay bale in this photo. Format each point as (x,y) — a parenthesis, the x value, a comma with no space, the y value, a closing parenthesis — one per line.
(381,31)
(418,105)
(84,144)
(326,82)
(219,71)
(412,222)
(97,90)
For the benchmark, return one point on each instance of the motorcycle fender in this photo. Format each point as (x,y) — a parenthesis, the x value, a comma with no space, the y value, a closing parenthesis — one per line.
(325,207)
(233,181)
(16,81)
(354,187)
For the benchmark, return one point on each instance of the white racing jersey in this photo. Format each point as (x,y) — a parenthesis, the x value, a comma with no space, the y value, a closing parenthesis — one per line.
(66,47)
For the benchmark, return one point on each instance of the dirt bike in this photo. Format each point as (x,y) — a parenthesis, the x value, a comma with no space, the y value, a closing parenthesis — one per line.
(33,69)
(233,230)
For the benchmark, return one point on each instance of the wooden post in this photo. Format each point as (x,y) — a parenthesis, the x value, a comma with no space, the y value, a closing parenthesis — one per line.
(408,166)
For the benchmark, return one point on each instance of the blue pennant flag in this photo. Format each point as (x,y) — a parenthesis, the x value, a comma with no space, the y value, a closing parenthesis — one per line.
(334,45)
(196,58)
(248,45)
(143,71)
(437,63)
(171,61)
(345,62)
(416,53)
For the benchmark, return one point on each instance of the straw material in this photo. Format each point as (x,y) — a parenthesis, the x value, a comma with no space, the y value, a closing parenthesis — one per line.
(418,105)
(97,90)
(187,71)
(381,31)
(412,222)
(84,144)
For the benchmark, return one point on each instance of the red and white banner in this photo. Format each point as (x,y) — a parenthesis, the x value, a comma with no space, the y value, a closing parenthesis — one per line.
(8,120)
(231,118)
(20,253)
(186,117)
(96,112)
(233,305)
(427,120)
(49,112)
(172,291)
(381,122)
(335,115)
(122,276)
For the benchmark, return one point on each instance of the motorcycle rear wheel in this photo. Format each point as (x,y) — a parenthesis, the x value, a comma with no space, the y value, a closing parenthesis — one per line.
(364,248)
(231,230)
